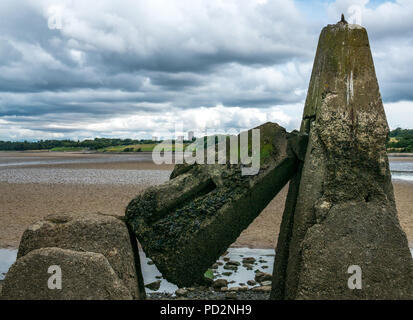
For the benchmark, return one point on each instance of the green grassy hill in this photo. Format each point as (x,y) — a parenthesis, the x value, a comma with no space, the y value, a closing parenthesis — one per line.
(400,140)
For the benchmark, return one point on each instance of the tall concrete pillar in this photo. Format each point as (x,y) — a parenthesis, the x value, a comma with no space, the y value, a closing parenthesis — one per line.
(340,219)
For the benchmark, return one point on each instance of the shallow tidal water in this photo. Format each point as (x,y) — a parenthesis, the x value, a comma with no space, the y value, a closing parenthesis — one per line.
(264,262)
(11,170)
(402,170)
(84,176)
(7,258)
(151,273)
(34,160)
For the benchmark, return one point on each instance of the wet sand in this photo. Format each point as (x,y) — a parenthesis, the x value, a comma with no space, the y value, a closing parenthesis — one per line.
(403,192)
(22,204)
(264,230)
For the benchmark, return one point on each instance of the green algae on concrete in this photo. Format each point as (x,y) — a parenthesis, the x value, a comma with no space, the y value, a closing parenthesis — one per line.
(340,209)
(185,224)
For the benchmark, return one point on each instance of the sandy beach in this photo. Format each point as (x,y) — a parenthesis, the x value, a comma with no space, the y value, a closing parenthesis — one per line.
(24,200)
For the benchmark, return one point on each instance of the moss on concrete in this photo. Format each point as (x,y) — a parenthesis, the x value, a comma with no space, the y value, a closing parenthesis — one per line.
(186,224)
(344,213)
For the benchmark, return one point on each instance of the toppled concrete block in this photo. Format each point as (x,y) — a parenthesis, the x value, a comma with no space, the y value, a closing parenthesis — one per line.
(84,275)
(185,224)
(97,233)
(340,213)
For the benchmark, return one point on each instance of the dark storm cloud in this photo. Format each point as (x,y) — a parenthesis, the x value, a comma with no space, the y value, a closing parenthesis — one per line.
(393,92)
(389,26)
(93,109)
(174,60)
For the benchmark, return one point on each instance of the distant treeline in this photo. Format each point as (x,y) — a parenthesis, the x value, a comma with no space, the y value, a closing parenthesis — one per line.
(97,143)
(401,140)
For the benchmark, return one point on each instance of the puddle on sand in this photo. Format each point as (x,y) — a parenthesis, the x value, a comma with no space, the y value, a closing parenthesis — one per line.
(151,274)
(7,258)
(264,260)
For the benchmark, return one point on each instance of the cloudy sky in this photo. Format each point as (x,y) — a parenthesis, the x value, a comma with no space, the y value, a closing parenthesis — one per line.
(73,69)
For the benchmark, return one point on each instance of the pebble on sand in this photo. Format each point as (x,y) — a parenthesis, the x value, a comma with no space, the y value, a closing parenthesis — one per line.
(181,292)
(154,285)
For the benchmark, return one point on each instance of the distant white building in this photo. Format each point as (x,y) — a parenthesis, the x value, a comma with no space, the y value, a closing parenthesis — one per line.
(180,138)
(190,135)
(154,138)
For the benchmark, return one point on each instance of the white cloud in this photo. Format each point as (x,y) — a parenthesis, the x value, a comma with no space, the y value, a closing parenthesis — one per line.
(389,25)
(200,120)
(399,114)
(201,27)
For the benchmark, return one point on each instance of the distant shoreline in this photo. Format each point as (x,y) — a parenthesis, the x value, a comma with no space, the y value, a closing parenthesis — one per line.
(389,154)
(400,155)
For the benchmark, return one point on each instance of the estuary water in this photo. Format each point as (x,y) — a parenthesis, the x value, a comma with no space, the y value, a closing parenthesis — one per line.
(7,258)
(30,167)
(402,170)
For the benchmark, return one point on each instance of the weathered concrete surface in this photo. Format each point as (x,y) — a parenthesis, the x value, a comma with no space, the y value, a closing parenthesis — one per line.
(95,233)
(187,223)
(85,275)
(340,209)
